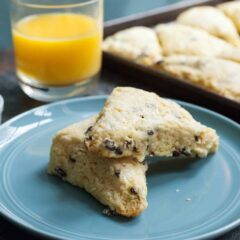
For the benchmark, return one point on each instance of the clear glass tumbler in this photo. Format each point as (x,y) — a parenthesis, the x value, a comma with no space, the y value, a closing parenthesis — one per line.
(57,46)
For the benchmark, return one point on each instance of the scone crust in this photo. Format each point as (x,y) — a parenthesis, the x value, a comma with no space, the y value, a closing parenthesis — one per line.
(139,44)
(217,75)
(212,20)
(135,123)
(232,10)
(119,184)
(179,39)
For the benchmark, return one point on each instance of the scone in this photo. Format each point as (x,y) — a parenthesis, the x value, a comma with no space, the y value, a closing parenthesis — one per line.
(177,38)
(135,123)
(139,44)
(219,75)
(211,20)
(232,10)
(119,184)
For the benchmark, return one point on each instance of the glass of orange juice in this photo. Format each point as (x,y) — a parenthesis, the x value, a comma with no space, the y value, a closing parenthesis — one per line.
(57,46)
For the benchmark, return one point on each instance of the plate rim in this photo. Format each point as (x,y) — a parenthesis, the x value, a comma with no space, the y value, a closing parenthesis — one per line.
(96,97)
(13,218)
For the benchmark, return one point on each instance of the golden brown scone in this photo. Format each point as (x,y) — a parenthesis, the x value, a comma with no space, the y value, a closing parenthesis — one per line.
(139,44)
(119,184)
(211,20)
(134,123)
(218,75)
(232,10)
(180,39)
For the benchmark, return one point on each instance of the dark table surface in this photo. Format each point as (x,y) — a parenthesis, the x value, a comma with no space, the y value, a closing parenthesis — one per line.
(17,102)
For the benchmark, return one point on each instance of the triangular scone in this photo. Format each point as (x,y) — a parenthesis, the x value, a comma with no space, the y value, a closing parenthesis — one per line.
(139,44)
(136,123)
(176,38)
(213,21)
(119,184)
(232,10)
(219,75)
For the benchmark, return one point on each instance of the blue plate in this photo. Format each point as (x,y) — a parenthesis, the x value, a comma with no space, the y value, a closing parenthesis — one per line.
(188,199)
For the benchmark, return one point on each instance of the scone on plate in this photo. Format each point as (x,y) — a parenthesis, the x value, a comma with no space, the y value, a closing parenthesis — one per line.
(177,38)
(213,21)
(139,44)
(135,123)
(218,75)
(119,184)
(232,10)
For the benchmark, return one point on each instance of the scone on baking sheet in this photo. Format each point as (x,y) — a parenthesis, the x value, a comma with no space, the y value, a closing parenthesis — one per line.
(213,21)
(232,10)
(119,184)
(177,38)
(218,75)
(136,123)
(139,44)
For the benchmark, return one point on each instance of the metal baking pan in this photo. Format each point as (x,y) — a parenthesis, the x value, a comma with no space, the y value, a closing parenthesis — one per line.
(169,85)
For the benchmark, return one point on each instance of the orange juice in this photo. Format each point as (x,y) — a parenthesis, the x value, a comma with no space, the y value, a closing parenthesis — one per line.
(57,49)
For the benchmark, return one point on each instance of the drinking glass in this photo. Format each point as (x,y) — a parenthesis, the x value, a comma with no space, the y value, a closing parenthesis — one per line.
(57,46)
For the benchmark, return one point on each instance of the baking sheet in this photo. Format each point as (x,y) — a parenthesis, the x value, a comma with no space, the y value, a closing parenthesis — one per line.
(170,85)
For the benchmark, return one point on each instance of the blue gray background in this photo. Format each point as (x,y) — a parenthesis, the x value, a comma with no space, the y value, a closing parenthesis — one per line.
(113,9)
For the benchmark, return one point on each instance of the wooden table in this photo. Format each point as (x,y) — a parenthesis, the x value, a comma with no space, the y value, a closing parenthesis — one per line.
(17,102)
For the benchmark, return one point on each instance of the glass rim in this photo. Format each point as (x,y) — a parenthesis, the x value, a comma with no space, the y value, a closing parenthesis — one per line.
(55,6)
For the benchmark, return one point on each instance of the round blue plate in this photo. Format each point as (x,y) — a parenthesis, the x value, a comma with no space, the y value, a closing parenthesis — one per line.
(188,199)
